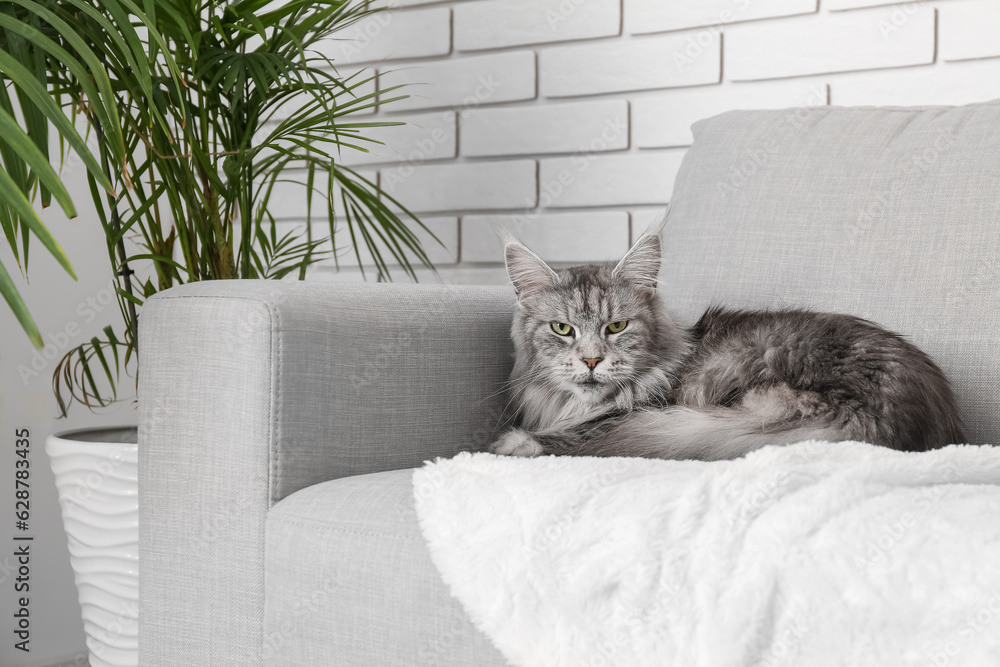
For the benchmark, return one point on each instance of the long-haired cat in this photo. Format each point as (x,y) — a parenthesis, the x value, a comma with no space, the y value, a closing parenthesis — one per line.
(603,369)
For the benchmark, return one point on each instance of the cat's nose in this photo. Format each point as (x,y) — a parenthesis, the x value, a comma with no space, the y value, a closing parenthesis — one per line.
(592,363)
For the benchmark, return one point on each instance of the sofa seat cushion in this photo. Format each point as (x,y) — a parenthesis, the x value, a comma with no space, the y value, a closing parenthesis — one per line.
(349,582)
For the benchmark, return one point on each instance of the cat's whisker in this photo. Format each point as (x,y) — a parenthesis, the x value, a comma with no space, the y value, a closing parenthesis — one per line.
(514,383)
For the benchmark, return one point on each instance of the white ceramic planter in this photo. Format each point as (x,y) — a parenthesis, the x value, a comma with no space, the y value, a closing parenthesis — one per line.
(97,476)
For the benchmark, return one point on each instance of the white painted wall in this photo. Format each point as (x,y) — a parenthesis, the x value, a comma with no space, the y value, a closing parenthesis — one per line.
(564,119)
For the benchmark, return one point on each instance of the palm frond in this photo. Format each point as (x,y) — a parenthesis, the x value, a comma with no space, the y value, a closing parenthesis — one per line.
(200,111)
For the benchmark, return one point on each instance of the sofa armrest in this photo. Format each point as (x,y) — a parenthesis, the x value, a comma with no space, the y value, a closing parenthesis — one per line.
(251,390)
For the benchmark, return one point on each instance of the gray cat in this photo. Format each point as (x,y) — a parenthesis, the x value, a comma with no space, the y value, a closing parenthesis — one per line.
(603,369)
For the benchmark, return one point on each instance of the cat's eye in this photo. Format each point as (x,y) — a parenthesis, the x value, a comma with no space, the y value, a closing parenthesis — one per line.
(562,328)
(616,327)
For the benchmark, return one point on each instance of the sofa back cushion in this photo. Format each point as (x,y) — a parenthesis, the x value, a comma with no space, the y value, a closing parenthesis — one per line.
(890,214)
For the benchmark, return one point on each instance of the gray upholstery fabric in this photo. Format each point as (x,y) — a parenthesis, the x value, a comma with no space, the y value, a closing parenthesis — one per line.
(251,390)
(889,214)
(349,582)
(205,438)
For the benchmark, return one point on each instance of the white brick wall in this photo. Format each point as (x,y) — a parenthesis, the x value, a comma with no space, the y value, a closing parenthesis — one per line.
(444,228)
(663,61)
(872,39)
(839,5)
(586,236)
(426,136)
(290,193)
(949,83)
(489,24)
(600,125)
(661,15)
(393,35)
(566,120)
(665,120)
(582,181)
(970,30)
(466,82)
(463,187)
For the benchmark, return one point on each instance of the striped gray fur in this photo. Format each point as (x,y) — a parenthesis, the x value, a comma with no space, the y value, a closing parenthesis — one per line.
(734,382)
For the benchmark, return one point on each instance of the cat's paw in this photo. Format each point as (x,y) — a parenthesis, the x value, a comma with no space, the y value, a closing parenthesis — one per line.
(516,443)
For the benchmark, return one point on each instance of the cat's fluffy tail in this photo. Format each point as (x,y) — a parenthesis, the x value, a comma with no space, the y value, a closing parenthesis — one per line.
(707,434)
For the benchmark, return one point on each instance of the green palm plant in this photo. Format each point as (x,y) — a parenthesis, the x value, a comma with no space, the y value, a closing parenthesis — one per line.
(27,111)
(200,109)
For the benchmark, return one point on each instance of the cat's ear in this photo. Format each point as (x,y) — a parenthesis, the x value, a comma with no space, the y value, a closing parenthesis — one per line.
(641,264)
(526,270)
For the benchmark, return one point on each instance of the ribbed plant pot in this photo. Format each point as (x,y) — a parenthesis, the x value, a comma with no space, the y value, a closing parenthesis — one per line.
(96,473)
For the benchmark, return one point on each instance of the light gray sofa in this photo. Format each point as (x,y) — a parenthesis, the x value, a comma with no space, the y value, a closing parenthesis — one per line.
(279,421)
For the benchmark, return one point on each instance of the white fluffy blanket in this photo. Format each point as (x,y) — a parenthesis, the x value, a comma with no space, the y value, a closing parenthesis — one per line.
(810,555)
